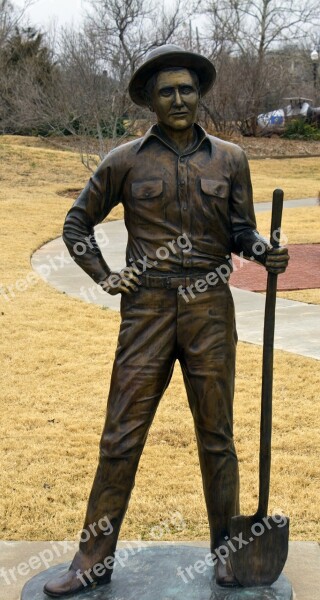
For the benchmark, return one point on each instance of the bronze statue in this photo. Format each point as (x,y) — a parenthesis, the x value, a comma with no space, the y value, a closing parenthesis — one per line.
(187,199)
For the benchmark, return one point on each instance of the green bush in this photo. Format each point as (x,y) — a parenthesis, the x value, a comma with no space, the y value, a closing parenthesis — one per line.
(301,130)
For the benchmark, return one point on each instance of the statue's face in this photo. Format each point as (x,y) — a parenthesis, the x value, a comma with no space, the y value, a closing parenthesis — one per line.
(175,99)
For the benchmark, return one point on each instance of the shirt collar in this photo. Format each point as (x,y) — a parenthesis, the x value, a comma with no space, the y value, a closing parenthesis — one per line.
(155,132)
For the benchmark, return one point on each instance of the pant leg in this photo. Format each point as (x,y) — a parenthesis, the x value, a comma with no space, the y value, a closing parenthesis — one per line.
(142,370)
(206,343)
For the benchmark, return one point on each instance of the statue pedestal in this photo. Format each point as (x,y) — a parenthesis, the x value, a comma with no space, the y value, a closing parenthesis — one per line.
(166,572)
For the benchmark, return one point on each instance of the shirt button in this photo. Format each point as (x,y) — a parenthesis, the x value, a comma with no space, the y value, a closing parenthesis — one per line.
(185,207)
(188,261)
(181,182)
(182,158)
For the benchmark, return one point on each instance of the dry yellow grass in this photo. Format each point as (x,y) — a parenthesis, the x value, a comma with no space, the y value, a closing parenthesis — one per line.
(299,225)
(309,296)
(298,177)
(57,354)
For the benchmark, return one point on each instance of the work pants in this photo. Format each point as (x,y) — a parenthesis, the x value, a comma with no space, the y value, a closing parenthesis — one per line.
(159,326)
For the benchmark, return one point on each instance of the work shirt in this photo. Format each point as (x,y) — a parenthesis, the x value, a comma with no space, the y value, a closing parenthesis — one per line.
(203,194)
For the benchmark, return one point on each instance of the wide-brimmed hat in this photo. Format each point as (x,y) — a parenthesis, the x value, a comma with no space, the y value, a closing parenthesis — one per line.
(167,56)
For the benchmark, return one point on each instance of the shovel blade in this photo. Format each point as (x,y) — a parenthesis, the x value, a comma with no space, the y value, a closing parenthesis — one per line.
(262,548)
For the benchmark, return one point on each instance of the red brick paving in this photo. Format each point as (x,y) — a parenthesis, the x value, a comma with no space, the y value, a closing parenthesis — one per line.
(302,273)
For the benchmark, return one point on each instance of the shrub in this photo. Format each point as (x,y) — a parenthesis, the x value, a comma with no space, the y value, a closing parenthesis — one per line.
(300,130)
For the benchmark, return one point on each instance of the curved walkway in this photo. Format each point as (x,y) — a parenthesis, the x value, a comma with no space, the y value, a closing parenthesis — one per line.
(297,323)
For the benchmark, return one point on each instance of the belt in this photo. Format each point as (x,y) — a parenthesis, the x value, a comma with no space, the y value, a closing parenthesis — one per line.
(170,281)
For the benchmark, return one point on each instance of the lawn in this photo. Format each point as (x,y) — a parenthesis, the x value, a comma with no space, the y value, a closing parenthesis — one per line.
(57,355)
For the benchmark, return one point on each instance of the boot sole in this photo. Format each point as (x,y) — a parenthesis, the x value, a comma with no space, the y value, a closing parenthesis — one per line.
(91,586)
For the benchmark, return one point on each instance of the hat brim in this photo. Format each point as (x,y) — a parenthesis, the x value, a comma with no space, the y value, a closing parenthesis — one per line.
(189,60)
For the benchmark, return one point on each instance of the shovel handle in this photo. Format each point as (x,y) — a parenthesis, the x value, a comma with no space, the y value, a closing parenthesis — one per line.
(267,363)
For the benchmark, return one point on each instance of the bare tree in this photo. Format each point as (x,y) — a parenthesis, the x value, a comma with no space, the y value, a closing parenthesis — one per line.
(88,100)
(259,26)
(96,65)
(128,29)
(252,32)
(27,77)
(11,18)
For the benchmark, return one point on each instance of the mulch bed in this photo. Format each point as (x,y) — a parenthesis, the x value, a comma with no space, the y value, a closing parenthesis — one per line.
(302,273)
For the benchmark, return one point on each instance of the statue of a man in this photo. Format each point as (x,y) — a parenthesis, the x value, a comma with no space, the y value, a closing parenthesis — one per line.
(187,201)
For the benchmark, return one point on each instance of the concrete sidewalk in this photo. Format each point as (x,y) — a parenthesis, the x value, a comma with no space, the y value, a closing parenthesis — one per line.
(20,561)
(263,206)
(297,323)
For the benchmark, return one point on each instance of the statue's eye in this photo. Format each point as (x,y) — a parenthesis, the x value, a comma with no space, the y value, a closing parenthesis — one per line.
(186,89)
(166,91)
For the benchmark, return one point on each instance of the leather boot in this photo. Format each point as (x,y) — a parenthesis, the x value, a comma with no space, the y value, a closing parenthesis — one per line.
(224,573)
(73,582)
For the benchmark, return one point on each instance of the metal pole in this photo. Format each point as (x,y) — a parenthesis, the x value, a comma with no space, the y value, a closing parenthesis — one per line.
(315,57)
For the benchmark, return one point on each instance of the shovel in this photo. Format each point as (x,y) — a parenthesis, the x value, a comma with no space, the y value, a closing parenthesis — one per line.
(262,539)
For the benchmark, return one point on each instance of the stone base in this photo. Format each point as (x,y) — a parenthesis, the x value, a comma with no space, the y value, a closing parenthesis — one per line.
(152,573)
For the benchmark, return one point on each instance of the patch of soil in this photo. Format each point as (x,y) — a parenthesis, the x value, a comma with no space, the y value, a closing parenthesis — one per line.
(302,273)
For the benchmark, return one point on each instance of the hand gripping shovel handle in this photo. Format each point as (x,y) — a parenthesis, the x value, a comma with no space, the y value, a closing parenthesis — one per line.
(267,363)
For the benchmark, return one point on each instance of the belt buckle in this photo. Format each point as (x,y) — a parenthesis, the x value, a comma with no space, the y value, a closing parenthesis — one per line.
(168,283)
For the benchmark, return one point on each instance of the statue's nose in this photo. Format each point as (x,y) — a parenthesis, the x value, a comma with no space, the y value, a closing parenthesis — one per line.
(177,98)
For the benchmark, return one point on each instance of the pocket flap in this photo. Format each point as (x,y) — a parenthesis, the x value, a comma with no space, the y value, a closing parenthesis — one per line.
(214,188)
(147,189)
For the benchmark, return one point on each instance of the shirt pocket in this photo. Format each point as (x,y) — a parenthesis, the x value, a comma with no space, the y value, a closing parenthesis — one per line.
(214,196)
(148,201)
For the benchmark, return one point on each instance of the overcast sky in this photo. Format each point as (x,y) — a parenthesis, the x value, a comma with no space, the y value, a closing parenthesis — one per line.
(64,11)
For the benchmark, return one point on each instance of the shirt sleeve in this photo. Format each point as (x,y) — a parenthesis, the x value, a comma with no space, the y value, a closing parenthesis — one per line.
(245,237)
(92,206)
